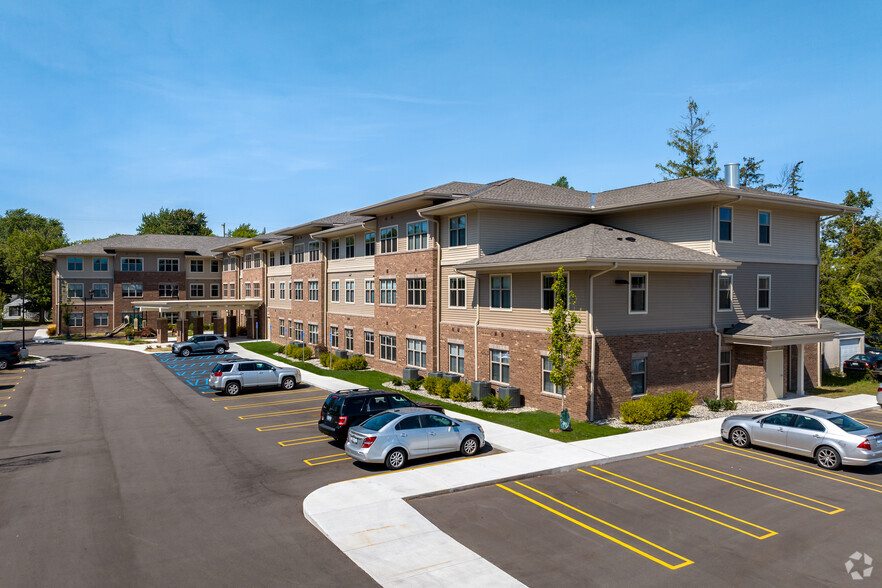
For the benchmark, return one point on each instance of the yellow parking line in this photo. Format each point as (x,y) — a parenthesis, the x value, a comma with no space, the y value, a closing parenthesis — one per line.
(303,440)
(683,561)
(835,510)
(865,420)
(805,469)
(264,415)
(5,397)
(287,426)
(273,403)
(326,459)
(262,394)
(768,532)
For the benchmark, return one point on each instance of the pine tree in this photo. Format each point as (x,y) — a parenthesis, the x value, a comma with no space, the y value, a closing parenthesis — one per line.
(699,158)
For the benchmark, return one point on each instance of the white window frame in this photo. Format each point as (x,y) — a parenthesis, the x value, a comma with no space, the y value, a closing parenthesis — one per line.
(555,389)
(76,319)
(416,291)
(641,357)
(417,350)
(272,290)
(392,242)
(172,287)
(370,245)
(369,343)
(166,261)
(299,253)
(138,289)
(501,291)
(255,289)
(720,277)
(334,250)
(314,249)
(387,343)
(504,367)
(631,290)
(388,296)
(724,382)
(75,262)
(312,290)
(313,333)
(423,237)
(349,247)
(335,290)
(298,330)
(720,222)
(451,230)
(759,277)
(106,264)
(451,290)
(542,290)
(215,266)
(282,290)
(349,291)
(298,291)
(201,286)
(370,291)
(100,323)
(106,287)
(348,338)
(197,263)
(759,227)
(247,286)
(138,262)
(457,358)
(334,337)
(214,290)
(76,286)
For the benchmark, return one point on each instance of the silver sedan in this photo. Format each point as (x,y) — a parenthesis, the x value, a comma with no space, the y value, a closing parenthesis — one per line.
(832,439)
(394,436)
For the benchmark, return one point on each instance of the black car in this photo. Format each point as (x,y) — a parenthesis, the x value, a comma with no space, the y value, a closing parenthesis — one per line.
(11,354)
(861,363)
(347,408)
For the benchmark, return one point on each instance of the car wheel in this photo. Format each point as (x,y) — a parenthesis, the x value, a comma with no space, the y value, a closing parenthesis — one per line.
(739,437)
(469,446)
(396,459)
(232,388)
(828,458)
(185,352)
(288,383)
(3,364)
(219,350)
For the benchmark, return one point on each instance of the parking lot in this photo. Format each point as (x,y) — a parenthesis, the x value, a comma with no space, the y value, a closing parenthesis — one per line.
(10,380)
(706,515)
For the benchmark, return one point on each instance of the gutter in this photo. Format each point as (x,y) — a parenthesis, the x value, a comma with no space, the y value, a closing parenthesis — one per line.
(438,290)
(593,337)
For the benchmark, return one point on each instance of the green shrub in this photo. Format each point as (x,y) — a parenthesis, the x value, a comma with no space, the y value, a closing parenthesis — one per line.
(729,404)
(430,384)
(715,405)
(649,409)
(339,363)
(413,384)
(357,363)
(240,330)
(325,359)
(488,401)
(396,381)
(679,403)
(302,353)
(496,402)
(442,388)
(461,392)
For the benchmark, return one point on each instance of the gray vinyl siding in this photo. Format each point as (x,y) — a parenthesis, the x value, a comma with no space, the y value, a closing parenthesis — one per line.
(502,229)
(793,293)
(690,226)
(676,301)
(794,236)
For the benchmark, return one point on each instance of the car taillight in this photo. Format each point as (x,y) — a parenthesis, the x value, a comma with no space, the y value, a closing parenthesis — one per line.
(217,374)
(368,441)
(865,444)
(342,420)
(15,352)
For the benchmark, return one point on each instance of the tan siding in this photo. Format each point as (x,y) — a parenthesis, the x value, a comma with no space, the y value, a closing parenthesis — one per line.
(794,292)
(794,237)
(457,315)
(688,226)
(501,229)
(471,230)
(459,254)
(359,307)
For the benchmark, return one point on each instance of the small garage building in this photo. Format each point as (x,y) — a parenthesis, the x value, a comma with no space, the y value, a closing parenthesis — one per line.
(847,342)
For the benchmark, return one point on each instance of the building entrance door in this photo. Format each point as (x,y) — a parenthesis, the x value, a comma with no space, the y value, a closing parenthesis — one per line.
(774,374)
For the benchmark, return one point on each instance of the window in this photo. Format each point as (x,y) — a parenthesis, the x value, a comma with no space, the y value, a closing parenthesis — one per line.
(272,258)
(548,290)
(389,240)
(197,266)
(215,266)
(256,289)
(388,347)
(417,235)
(74,264)
(368,342)
(313,334)
(198,290)
(298,331)
(637,300)
(298,290)
(168,265)
(724,296)
(100,319)
(335,337)
(74,290)
(350,291)
(168,290)
(313,291)
(763,292)
(388,292)
(499,365)
(370,244)
(350,247)
(281,258)
(248,261)
(132,264)
(298,254)
(348,340)
(369,292)
(132,290)
(335,248)
(258,257)
(315,250)
(458,231)
(272,291)
(99,264)
(335,291)
(416,353)
(416,291)
(76,319)
(232,290)
(247,289)
(281,325)
(457,288)
(215,290)
(281,290)
(500,292)
(457,358)
(725,367)
(725,224)
(101,290)
(226,290)
(547,384)
(765,228)
(638,376)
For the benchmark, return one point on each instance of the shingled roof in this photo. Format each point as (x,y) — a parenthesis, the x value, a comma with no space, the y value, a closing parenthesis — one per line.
(189,243)
(761,329)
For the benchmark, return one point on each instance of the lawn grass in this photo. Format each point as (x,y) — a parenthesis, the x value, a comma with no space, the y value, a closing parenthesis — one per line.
(537,422)
(837,386)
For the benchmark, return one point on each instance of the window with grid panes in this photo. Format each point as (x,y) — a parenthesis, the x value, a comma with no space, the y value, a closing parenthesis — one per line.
(457,287)
(368,342)
(458,231)
(500,291)
(388,347)
(370,244)
(197,266)
(416,291)
(349,244)
(388,292)
(313,291)
(335,248)
(348,339)
(197,290)
(334,337)
(456,352)
(335,291)
(313,334)
(298,290)
(350,291)
(168,290)
(499,361)
(298,331)
(416,353)
(315,251)
(369,292)
(417,235)
(389,239)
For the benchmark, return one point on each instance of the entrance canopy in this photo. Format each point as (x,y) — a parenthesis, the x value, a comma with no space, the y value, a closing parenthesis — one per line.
(197,305)
(766,331)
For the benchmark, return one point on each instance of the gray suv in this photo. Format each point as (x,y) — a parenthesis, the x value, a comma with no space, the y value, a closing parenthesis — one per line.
(234,376)
(201,344)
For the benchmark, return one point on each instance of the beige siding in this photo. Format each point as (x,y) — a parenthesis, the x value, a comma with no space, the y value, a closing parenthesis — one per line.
(279,271)
(689,226)
(459,254)
(359,307)
(206,274)
(457,315)
(793,294)
(472,229)
(501,229)
(88,272)
(794,236)
(401,220)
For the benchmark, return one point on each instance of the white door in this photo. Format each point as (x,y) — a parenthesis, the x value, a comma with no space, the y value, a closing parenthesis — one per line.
(774,374)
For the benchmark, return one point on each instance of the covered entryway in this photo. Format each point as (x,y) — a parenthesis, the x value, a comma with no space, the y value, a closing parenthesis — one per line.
(206,307)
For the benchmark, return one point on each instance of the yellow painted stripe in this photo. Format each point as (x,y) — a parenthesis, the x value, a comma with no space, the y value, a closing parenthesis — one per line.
(768,532)
(263,394)
(5,397)
(288,426)
(264,415)
(303,440)
(865,420)
(326,459)
(683,560)
(805,469)
(273,403)
(835,509)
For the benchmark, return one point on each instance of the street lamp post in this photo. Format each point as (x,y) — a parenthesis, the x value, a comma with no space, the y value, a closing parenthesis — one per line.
(85,332)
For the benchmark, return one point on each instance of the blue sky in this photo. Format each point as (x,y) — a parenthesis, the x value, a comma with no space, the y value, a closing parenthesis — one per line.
(276,113)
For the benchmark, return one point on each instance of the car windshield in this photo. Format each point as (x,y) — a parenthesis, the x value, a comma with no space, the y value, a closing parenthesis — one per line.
(845,423)
(377,422)
(191,340)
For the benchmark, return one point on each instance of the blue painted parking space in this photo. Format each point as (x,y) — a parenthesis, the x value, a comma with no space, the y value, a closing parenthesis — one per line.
(194,370)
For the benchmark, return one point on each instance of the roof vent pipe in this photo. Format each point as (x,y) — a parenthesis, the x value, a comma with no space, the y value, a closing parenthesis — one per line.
(732,175)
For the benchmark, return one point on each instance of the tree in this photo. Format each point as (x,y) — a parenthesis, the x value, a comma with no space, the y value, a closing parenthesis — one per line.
(699,158)
(791,179)
(565,347)
(181,221)
(243,231)
(562,183)
(751,176)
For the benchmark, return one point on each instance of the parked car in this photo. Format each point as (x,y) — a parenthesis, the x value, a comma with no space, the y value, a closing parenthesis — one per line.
(832,439)
(872,351)
(235,376)
(11,354)
(201,344)
(861,363)
(347,408)
(400,434)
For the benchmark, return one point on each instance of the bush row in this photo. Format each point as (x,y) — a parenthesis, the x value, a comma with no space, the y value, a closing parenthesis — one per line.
(301,352)
(356,362)
(715,405)
(649,409)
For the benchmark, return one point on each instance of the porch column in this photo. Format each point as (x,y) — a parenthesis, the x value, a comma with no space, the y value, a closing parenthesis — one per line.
(800,368)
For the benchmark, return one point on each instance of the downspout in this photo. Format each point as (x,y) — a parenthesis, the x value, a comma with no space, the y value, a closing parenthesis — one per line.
(437,325)
(713,290)
(477,322)
(594,337)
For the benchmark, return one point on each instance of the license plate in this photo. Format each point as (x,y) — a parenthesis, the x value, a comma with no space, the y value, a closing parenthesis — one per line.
(352,439)
(328,418)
